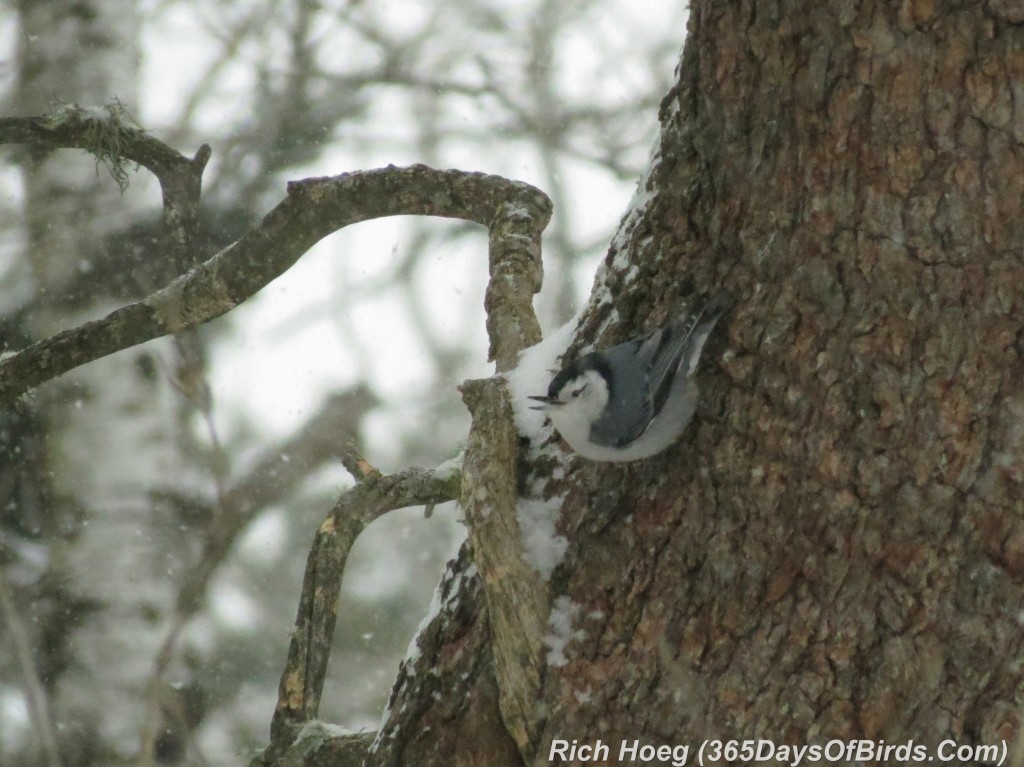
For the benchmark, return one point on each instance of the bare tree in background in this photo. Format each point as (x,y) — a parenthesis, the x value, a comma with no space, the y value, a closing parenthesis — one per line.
(94,520)
(122,495)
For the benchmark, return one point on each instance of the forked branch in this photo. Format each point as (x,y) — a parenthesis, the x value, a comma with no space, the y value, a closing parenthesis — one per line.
(515,212)
(515,215)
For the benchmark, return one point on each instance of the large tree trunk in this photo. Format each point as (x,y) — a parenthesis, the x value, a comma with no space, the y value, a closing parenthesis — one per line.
(836,548)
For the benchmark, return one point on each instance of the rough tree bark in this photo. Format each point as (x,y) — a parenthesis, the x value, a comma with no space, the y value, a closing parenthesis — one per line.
(836,549)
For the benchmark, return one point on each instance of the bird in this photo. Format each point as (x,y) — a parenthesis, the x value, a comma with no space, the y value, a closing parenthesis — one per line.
(633,400)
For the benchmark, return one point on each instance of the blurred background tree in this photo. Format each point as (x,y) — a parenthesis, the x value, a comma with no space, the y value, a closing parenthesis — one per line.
(125,625)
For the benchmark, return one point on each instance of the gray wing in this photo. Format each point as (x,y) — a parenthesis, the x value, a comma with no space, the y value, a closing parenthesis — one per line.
(645,368)
(682,347)
(630,404)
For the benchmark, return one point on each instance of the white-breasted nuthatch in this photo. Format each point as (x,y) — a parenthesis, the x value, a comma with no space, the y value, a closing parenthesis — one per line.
(633,400)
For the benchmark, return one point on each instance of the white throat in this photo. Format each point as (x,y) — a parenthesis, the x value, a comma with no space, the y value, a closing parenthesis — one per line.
(574,417)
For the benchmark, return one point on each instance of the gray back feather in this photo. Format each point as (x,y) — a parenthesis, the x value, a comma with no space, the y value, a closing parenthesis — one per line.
(641,373)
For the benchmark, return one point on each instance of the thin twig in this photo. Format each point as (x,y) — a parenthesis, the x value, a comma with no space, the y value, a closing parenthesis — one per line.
(35,692)
(274,475)
(154,689)
(188,379)
(277,473)
(354,463)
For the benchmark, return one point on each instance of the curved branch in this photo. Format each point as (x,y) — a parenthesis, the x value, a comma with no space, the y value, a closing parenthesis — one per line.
(515,213)
(111,135)
(303,678)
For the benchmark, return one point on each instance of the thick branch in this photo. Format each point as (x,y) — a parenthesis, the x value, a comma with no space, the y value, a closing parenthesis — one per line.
(313,209)
(303,677)
(443,708)
(518,600)
(515,215)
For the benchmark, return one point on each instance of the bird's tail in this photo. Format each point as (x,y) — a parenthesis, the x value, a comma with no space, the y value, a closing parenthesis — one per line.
(698,326)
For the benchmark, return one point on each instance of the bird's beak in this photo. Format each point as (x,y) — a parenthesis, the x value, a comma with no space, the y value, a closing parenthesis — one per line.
(549,403)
